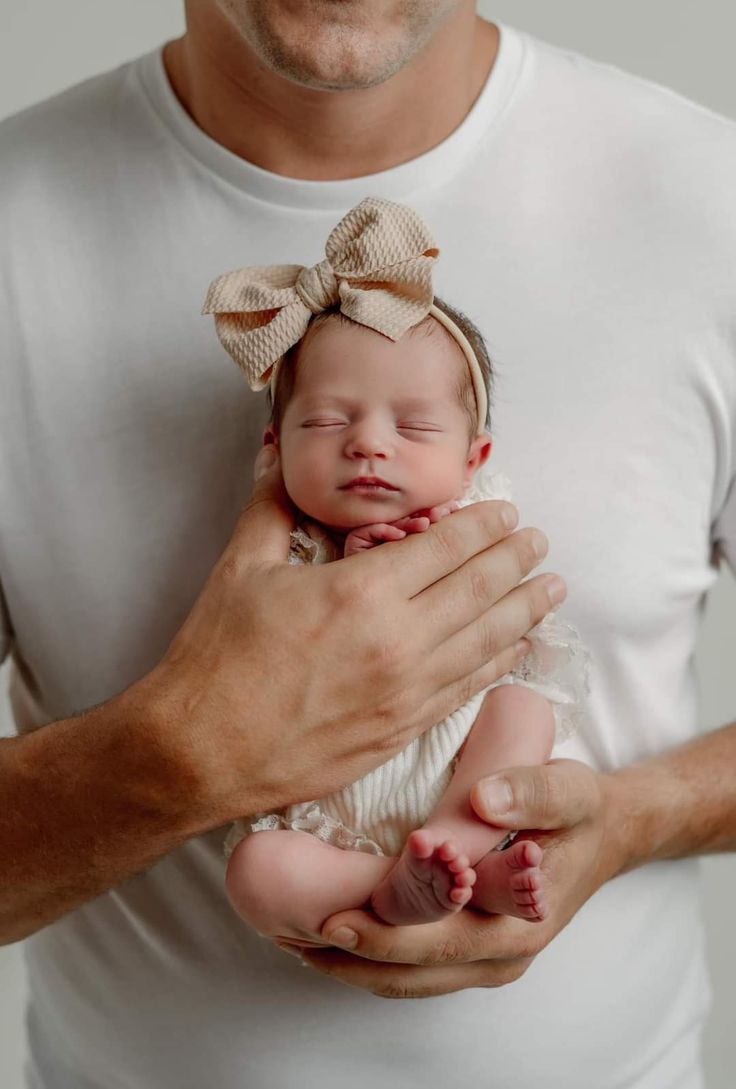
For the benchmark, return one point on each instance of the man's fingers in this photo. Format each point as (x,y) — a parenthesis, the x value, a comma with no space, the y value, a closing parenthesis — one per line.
(556,795)
(268,517)
(459,691)
(469,949)
(486,646)
(410,566)
(462,596)
(407,981)
(459,939)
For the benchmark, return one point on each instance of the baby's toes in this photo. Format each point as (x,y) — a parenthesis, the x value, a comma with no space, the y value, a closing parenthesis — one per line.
(449,853)
(460,895)
(457,865)
(420,844)
(526,881)
(536,912)
(466,878)
(525,853)
(528,894)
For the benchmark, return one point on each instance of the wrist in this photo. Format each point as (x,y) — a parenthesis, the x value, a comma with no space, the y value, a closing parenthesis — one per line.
(175,779)
(620,833)
(642,801)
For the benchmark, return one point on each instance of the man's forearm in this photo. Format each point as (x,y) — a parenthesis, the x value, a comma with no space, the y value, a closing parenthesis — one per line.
(682,802)
(85,803)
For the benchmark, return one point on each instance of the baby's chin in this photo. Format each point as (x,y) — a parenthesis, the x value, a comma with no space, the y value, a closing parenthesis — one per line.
(360,511)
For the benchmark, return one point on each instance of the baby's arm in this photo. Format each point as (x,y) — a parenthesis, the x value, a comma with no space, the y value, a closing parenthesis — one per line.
(379,532)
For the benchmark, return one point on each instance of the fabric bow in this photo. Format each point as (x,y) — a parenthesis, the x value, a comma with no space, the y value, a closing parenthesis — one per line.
(378,267)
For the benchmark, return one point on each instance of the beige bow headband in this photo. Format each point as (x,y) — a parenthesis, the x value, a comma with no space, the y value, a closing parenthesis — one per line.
(378,267)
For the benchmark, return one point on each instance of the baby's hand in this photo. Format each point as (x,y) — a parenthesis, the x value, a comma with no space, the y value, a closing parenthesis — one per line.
(434,514)
(369,536)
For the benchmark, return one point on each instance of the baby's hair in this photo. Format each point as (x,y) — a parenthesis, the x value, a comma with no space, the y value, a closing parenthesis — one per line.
(464,388)
(279,398)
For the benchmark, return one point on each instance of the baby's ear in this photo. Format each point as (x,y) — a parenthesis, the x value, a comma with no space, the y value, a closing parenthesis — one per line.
(270,437)
(479,452)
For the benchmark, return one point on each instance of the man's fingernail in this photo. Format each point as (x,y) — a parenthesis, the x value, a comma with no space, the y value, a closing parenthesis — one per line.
(522,648)
(540,544)
(344,937)
(509,516)
(267,457)
(496,795)
(556,590)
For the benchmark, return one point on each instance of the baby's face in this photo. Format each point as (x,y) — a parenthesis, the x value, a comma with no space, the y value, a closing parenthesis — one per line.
(366,406)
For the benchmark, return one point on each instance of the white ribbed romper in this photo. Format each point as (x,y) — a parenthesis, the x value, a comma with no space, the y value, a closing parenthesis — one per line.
(377,813)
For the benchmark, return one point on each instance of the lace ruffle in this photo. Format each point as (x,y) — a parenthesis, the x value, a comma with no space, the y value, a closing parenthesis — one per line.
(558,667)
(311,819)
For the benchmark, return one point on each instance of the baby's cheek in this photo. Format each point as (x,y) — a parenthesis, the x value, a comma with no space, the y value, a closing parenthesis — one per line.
(438,483)
(303,481)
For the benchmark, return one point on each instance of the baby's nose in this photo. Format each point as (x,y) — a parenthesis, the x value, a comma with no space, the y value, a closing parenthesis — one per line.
(368,444)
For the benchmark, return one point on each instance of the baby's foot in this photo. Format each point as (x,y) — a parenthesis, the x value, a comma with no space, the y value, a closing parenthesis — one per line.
(510,882)
(430,880)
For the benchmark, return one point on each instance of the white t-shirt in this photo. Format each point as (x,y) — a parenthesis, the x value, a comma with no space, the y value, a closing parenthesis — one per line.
(588,226)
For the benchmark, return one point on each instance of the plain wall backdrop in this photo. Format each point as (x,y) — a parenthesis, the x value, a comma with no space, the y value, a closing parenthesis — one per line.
(46,46)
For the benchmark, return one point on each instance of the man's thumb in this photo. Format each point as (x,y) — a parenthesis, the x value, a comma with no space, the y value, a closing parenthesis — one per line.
(268,518)
(555,795)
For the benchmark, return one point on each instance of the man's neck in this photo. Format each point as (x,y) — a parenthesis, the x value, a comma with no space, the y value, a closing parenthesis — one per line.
(300,132)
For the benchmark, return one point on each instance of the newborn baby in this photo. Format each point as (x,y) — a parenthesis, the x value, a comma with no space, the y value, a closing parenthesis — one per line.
(381,435)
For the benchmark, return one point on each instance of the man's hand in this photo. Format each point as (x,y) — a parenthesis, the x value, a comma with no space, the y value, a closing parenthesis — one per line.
(578,819)
(286,682)
(283,684)
(364,537)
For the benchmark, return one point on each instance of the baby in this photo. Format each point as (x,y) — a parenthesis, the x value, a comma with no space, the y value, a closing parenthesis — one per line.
(380,412)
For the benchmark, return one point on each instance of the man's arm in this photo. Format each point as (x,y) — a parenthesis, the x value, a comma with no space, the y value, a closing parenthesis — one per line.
(592,826)
(85,803)
(682,802)
(270,693)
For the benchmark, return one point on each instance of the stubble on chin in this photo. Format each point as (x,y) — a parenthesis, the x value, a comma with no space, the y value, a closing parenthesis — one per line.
(337,44)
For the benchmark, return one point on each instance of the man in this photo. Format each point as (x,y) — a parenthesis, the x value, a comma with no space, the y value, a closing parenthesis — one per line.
(587,225)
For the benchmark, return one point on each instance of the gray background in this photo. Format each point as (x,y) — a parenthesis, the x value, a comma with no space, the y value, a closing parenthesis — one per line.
(47,45)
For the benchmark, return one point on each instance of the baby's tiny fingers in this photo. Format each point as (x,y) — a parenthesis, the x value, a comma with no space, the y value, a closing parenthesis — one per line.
(417,525)
(412,523)
(361,540)
(389,532)
(437,513)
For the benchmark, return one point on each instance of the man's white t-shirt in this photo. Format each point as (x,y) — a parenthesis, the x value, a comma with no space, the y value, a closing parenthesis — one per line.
(587,224)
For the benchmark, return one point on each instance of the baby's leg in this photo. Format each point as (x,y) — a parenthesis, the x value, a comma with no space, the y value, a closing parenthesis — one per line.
(515,727)
(287,883)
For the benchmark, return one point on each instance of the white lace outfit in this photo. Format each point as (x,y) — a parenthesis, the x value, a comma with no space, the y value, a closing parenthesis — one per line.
(377,813)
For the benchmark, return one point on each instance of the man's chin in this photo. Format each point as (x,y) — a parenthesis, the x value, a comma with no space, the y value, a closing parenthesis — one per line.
(331,46)
(321,71)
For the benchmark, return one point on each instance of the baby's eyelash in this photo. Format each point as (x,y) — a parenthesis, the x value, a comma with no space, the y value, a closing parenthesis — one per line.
(399,427)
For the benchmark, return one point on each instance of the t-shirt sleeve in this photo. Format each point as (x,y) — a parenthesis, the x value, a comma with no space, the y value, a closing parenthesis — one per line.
(723,534)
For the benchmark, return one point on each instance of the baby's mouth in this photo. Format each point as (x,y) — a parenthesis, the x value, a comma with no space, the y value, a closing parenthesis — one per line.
(368,485)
